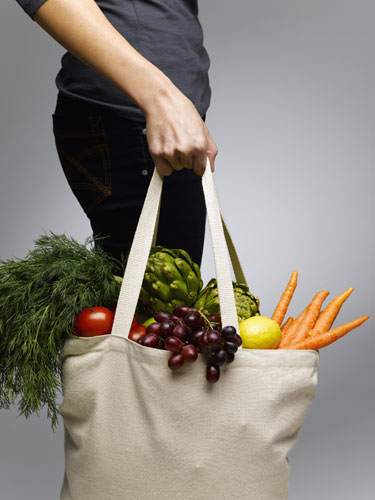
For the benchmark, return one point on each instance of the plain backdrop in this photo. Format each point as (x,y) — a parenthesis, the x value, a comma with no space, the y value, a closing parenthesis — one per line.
(292,113)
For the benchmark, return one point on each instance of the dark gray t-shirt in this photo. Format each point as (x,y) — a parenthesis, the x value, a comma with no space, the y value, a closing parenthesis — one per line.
(166,32)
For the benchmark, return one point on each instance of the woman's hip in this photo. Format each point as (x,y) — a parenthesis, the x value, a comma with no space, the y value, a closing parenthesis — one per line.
(107,164)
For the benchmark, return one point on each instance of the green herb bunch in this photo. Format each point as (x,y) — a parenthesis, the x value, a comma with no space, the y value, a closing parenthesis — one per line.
(39,299)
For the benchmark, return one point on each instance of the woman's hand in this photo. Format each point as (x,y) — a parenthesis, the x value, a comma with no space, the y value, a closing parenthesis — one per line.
(177,136)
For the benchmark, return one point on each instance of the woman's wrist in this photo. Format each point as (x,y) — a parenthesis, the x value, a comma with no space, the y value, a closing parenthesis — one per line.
(155,91)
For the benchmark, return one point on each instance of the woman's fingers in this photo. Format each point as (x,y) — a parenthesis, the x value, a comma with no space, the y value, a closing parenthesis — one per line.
(200,160)
(188,157)
(212,164)
(196,160)
(178,159)
(212,150)
(194,156)
(163,166)
(167,162)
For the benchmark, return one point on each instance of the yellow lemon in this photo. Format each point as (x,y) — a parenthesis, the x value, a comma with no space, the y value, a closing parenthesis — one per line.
(259,332)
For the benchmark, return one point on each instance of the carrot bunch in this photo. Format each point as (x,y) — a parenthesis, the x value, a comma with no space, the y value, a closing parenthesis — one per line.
(312,328)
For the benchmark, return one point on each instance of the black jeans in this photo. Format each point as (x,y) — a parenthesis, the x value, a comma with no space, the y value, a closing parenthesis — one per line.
(108,166)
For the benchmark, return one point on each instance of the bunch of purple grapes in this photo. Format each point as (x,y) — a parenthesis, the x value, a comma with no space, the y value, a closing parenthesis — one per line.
(188,332)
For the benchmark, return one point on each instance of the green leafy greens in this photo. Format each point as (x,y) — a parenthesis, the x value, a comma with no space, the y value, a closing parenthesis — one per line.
(39,299)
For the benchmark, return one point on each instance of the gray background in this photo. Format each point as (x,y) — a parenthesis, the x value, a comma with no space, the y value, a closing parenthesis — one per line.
(293,116)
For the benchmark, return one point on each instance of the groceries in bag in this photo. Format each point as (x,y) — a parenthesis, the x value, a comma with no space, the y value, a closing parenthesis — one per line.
(312,328)
(40,296)
(92,321)
(63,288)
(187,332)
(171,278)
(247,304)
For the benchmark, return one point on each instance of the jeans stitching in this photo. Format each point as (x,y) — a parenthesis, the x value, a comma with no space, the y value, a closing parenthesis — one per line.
(88,151)
(95,202)
(75,163)
(85,186)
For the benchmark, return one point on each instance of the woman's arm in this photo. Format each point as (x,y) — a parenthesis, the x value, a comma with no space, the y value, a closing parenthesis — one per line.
(177,136)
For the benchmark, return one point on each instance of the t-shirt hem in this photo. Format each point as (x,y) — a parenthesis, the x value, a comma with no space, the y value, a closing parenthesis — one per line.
(132,112)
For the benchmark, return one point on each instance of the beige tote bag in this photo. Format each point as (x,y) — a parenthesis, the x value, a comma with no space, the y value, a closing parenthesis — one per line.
(135,430)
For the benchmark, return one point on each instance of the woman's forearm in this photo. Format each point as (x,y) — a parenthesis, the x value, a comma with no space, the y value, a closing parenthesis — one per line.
(82,28)
(176,134)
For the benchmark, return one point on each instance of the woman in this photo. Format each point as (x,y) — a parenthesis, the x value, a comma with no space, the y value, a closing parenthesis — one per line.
(133,91)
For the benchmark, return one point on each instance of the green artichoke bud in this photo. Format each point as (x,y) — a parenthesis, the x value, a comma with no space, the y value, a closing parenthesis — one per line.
(171,279)
(247,304)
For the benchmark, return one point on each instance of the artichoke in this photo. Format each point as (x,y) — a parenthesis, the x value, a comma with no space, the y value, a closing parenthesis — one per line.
(247,304)
(171,279)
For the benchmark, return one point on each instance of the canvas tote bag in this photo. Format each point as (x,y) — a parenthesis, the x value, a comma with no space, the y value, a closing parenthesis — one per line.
(136,430)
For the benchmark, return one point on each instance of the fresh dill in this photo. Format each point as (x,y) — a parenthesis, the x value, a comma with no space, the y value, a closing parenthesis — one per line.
(40,296)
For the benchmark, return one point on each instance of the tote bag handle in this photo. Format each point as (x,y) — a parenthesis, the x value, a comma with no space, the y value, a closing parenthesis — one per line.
(236,264)
(140,249)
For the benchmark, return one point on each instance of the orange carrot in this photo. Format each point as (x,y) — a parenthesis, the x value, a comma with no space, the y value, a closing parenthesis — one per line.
(286,326)
(320,340)
(313,332)
(312,313)
(289,334)
(328,316)
(282,307)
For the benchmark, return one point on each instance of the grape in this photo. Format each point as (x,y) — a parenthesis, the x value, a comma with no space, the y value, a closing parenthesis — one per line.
(181,311)
(193,319)
(195,336)
(186,332)
(161,316)
(153,328)
(190,353)
(230,357)
(166,328)
(213,339)
(203,345)
(190,332)
(214,318)
(204,338)
(151,340)
(230,347)
(228,332)
(237,340)
(220,357)
(176,361)
(181,332)
(215,326)
(212,373)
(141,339)
(173,344)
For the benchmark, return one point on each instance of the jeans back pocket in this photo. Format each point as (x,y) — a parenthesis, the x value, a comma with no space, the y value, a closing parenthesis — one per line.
(83,152)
